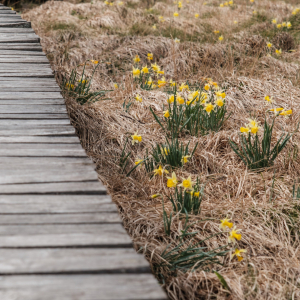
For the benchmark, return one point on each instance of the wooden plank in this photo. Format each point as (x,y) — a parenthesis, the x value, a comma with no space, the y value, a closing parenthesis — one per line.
(33,101)
(32,109)
(64,235)
(23,59)
(56,204)
(19,39)
(7,12)
(20,81)
(83,287)
(29,95)
(19,52)
(30,89)
(16,30)
(46,219)
(10,17)
(42,150)
(21,67)
(69,188)
(43,261)
(32,123)
(38,130)
(33,116)
(37,74)
(40,139)
(21,46)
(16,25)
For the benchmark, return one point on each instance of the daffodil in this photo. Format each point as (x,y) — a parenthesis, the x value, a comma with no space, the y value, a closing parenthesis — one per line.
(255,129)
(179,99)
(176,14)
(220,38)
(245,130)
(161,72)
(193,96)
(234,235)
(150,56)
(286,113)
(209,108)
(138,162)
(120,3)
(136,59)
(94,61)
(70,86)
(274,21)
(221,5)
(275,110)
(172,83)
(166,151)
(179,4)
(278,52)
(196,16)
(171,99)
(162,82)
(149,82)
(253,123)
(176,40)
(235,22)
(161,19)
(136,72)
(145,70)
(166,114)
(136,138)
(172,181)
(269,45)
(116,86)
(155,67)
(288,25)
(230,3)
(138,98)
(185,159)
(155,196)
(183,87)
(278,26)
(269,99)
(225,3)
(160,171)
(220,94)
(238,254)
(111,4)
(154,27)
(187,184)
(225,223)
(283,24)
(219,102)
(216,31)
(106,2)
(254,12)
(195,194)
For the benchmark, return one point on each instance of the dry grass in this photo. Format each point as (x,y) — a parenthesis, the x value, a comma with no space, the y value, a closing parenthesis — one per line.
(258,203)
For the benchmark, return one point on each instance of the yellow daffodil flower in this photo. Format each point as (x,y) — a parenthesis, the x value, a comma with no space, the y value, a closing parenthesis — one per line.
(116,86)
(269,99)
(220,38)
(166,151)
(155,196)
(253,123)
(145,70)
(221,5)
(155,67)
(172,83)
(161,82)
(172,181)
(136,59)
(185,159)
(138,162)
(207,87)
(196,194)
(254,130)
(179,99)
(244,130)
(219,102)
(274,21)
(136,72)
(269,45)
(136,138)
(238,254)
(187,184)
(171,99)
(216,31)
(235,22)
(166,114)
(276,109)
(120,3)
(220,94)
(209,108)
(176,14)
(254,12)
(150,56)
(278,26)
(234,235)
(225,223)
(286,113)
(179,4)
(230,3)
(94,61)
(278,52)
(70,86)
(138,98)
(288,25)
(283,24)
(161,19)
(160,171)
(225,3)
(196,16)
(176,40)
(154,27)
(193,95)
(183,87)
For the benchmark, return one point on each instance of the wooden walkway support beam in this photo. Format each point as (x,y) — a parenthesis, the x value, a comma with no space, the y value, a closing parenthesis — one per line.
(61,237)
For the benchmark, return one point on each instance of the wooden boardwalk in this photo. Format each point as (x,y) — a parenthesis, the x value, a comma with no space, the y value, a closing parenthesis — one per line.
(61,237)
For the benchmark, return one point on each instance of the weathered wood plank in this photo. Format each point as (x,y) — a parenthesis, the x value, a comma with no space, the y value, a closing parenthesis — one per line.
(19,53)
(23,59)
(102,261)
(56,204)
(32,123)
(33,101)
(64,235)
(30,89)
(38,130)
(83,287)
(69,188)
(33,116)
(41,150)
(16,30)
(37,74)
(20,81)
(28,68)
(21,46)
(32,109)
(29,95)
(46,219)
(16,25)
(19,39)
(40,139)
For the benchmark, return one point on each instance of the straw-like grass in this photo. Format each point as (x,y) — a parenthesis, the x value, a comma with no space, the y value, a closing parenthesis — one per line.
(259,203)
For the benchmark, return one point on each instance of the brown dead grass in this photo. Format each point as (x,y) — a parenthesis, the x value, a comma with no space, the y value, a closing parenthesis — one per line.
(268,217)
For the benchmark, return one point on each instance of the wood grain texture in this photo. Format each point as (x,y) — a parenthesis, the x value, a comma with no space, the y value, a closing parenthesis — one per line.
(83,287)
(56,204)
(30,95)
(34,116)
(64,235)
(102,261)
(32,109)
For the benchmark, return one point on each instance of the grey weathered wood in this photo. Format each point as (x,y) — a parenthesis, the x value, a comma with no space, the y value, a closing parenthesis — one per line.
(64,235)
(29,95)
(37,74)
(83,287)
(23,59)
(102,261)
(10,16)
(16,24)
(42,150)
(32,123)
(21,46)
(33,101)
(20,81)
(34,116)
(32,109)
(30,89)
(56,204)
(69,188)
(40,139)
(16,30)
(19,53)
(38,130)
(11,68)
(7,12)
(46,219)
(19,39)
